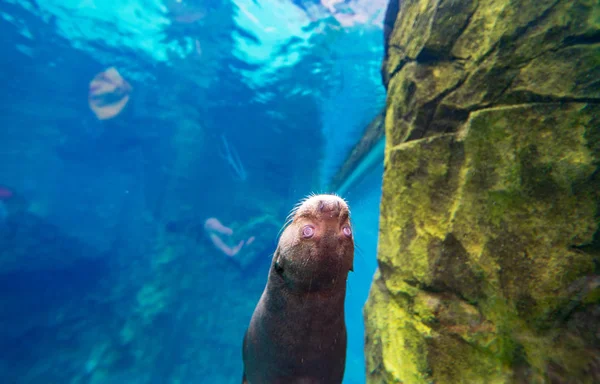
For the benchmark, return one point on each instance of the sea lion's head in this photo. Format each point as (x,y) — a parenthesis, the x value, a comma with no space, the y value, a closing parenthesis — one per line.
(316,249)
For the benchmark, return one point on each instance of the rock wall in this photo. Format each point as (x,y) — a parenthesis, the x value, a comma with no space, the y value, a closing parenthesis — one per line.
(489,243)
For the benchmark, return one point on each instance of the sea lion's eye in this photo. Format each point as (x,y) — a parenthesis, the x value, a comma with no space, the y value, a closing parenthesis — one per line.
(308,231)
(347,231)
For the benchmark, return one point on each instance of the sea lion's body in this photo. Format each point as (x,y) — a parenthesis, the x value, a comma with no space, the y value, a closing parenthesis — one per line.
(297,333)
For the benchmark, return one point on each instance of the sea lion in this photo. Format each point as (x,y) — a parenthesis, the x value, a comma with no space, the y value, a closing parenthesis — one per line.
(297,333)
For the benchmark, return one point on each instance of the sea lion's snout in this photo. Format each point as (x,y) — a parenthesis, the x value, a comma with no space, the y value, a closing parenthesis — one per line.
(316,251)
(323,207)
(331,206)
(323,213)
(330,213)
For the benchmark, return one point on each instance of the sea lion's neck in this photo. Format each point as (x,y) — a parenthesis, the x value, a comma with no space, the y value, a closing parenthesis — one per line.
(283,296)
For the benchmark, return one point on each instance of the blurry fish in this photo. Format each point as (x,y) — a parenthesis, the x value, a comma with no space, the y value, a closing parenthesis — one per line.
(185,13)
(8,203)
(214,225)
(214,230)
(108,94)
(5,193)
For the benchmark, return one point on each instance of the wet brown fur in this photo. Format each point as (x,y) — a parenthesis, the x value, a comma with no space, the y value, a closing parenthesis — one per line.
(297,333)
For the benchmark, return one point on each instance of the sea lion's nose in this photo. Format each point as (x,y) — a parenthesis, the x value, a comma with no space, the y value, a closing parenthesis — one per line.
(330,206)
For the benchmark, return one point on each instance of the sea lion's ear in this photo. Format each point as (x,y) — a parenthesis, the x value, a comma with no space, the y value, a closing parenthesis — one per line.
(276,263)
(278,267)
(352,268)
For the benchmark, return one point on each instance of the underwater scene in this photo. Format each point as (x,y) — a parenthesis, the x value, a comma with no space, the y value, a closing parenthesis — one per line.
(299,191)
(150,152)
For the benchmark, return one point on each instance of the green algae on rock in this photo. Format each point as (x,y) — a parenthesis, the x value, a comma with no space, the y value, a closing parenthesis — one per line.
(489,240)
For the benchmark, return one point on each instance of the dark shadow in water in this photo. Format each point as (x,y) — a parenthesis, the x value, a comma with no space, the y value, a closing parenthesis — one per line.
(49,297)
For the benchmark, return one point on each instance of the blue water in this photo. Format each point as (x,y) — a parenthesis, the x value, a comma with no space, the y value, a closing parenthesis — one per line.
(235,110)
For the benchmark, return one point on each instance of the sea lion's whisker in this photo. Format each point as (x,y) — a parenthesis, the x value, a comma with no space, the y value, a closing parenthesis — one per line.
(289,218)
(358,251)
(358,248)
(292,213)
(285,225)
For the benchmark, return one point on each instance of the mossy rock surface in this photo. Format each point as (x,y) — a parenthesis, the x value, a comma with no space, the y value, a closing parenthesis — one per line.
(489,241)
